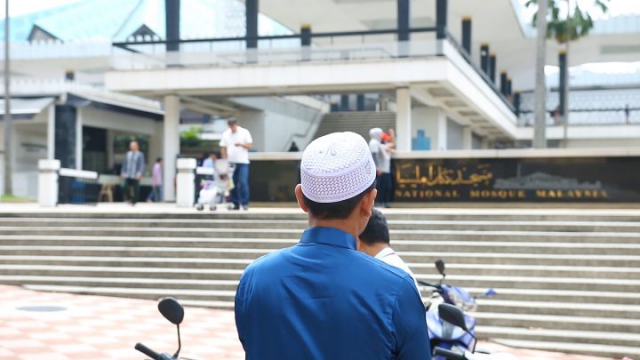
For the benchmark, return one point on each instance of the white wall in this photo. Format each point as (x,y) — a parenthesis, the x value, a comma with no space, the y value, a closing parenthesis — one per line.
(455,134)
(117,121)
(603,143)
(277,122)
(424,118)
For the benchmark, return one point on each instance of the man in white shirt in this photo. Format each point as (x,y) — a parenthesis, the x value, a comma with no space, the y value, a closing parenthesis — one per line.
(381,153)
(235,144)
(374,241)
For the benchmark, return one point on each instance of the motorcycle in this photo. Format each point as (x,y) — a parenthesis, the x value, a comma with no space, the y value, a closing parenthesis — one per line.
(171,309)
(443,334)
(454,316)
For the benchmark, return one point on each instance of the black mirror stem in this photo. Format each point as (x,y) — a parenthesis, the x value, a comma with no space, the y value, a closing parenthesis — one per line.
(175,356)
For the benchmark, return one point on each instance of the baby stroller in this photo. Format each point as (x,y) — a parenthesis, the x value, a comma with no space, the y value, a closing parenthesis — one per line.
(213,190)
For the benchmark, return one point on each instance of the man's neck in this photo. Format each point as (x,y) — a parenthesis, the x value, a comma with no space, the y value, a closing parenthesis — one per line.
(373,249)
(345,225)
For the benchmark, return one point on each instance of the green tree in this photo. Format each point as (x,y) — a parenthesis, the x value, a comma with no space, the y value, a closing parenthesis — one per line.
(564,28)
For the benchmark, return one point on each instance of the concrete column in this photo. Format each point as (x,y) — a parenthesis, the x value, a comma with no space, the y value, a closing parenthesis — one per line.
(466,33)
(344,102)
(504,79)
(360,102)
(251,7)
(51,132)
(562,64)
(484,58)
(171,144)
(403,120)
(441,139)
(79,140)
(172,24)
(441,19)
(404,24)
(48,182)
(110,149)
(186,187)
(305,42)
(492,67)
(467,138)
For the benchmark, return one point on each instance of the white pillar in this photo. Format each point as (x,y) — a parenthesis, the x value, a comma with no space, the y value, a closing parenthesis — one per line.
(171,144)
(186,187)
(48,182)
(403,120)
(51,131)
(467,138)
(441,139)
(79,139)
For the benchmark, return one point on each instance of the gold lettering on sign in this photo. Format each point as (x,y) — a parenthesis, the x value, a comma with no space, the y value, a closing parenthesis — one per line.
(434,175)
(573,194)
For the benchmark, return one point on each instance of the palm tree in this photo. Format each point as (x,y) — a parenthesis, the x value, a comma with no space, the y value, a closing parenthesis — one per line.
(576,24)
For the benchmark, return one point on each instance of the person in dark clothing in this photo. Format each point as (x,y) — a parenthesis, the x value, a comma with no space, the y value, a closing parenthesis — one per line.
(132,170)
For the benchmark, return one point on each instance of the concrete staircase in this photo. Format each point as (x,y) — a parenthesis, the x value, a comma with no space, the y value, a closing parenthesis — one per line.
(359,122)
(566,281)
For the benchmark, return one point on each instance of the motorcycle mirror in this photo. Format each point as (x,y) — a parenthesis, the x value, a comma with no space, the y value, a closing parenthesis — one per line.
(490,293)
(453,315)
(171,309)
(440,266)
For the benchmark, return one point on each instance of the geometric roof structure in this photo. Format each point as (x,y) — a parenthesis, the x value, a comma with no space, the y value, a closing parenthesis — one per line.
(118,20)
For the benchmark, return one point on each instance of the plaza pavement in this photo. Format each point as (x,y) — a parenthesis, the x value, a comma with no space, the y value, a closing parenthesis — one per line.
(86,327)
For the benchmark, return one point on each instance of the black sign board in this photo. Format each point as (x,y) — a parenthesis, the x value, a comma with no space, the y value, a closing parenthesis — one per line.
(593,179)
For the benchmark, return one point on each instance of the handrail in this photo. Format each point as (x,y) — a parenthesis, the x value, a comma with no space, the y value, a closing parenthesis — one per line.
(318,117)
(124,44)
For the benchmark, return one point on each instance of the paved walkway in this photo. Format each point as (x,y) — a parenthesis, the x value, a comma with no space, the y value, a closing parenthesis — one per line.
(95,327)
(484,209)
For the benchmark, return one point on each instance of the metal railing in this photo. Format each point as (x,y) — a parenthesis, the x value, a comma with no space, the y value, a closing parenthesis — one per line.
(78,187)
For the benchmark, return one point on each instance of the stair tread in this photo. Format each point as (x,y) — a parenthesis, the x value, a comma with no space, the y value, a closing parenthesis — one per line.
(576,347)
(495,330)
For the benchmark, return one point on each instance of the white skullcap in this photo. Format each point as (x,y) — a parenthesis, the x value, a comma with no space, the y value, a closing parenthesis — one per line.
(336,167)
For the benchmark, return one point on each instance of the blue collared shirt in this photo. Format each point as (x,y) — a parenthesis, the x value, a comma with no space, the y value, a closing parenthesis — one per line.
(322,299)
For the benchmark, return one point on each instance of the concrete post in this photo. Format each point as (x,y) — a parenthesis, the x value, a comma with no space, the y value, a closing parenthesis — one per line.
(442,131)
(484,58)
(51,132)
(186,187)
(466,33)
(171,143)
(48,182)
(467,138)
(403,120)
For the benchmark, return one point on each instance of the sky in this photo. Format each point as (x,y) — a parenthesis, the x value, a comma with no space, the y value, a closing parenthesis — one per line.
(20,7)
(616,7)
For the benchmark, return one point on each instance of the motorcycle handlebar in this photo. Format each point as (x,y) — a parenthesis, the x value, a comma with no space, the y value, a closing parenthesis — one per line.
(424,283)
(452,355)
(145,350)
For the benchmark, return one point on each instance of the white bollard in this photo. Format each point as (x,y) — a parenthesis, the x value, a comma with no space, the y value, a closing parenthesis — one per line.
(185,183)
(48,182)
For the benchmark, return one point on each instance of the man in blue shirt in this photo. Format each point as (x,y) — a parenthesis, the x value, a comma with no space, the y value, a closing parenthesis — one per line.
(322,299)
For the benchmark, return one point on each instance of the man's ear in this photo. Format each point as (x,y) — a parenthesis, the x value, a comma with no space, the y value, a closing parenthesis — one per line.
(300,198)
(366,205)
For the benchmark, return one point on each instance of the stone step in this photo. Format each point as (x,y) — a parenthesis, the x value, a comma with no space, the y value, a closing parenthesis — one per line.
(566,296)
(573,347)
(240,258)
(460,235)
(559,309)
(566,336)
(434,214)
(558,322)
(25,243)
(533,226)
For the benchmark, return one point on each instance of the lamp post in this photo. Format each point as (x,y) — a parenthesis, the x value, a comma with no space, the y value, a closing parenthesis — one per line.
(8,188)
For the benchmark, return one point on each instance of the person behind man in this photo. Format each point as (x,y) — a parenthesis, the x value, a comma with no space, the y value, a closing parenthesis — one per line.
(132,170)
(382,157)
(375,241)
(156,182)
(322,299)
(235,144)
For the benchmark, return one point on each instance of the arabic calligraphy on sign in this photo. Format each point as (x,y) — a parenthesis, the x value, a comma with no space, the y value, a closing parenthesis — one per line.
(438,175)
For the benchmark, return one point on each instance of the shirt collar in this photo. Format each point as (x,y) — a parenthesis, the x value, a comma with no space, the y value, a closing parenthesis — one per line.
(328,236)
(385,252)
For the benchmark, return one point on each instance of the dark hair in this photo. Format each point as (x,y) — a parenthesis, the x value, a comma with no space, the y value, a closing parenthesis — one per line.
(232,121)
(377,230)
(335,211)
(159,159)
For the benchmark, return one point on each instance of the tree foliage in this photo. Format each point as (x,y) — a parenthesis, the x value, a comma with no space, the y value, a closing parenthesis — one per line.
(578,25)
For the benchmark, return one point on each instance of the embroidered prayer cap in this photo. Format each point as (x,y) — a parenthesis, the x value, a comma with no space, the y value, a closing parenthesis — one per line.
(336,167)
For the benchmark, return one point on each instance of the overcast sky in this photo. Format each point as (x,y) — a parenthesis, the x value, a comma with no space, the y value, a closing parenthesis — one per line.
(20,7)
